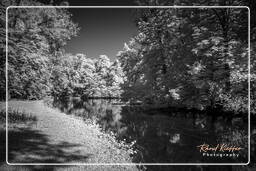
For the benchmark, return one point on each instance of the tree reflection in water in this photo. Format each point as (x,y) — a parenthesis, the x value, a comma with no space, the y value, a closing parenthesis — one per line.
(162,137)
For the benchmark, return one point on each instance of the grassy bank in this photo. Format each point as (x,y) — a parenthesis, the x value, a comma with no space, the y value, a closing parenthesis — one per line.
(44,135)
(16,116)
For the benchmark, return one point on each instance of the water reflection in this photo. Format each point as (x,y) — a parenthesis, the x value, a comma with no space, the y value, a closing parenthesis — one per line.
(162,137)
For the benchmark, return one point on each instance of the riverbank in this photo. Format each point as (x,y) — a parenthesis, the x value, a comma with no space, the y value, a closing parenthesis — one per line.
(60,138)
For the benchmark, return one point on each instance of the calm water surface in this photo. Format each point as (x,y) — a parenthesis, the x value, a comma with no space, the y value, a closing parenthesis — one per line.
(163,137)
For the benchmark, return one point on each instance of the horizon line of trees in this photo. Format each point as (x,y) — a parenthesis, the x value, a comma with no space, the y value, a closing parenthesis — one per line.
(77,75)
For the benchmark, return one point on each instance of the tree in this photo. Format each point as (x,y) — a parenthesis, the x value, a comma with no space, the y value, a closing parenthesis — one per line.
(222,51)
(187,56)
(116,79)
(35,37)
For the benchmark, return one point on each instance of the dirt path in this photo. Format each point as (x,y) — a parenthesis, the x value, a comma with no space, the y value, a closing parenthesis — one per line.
(60,138)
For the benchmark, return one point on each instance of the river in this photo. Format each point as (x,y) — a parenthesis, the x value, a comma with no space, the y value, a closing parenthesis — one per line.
(165,137)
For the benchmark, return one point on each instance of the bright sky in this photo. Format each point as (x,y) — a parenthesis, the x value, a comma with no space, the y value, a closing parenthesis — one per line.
(103,31)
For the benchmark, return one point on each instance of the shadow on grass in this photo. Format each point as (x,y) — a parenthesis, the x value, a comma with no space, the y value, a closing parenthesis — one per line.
(30,146)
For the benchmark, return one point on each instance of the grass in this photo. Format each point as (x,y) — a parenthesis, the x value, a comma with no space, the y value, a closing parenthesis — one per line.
(16,116)
(110,138)
(35,145)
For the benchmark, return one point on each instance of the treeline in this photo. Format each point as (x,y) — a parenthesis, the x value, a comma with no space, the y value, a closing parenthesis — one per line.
(37,63)
(195,58)
(76,75)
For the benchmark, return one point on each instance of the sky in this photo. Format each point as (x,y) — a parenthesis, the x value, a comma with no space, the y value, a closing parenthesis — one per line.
(102,31)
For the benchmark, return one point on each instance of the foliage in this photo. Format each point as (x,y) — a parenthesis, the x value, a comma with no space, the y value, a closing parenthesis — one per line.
(192,57)
(189,57)
(34,37)
(78,75)
(110,138)
(37,63)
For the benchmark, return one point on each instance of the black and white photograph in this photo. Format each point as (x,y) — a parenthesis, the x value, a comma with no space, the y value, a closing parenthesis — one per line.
(137,85)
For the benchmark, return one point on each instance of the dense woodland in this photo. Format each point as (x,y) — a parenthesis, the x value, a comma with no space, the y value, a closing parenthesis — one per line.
(197,58)
(194,58)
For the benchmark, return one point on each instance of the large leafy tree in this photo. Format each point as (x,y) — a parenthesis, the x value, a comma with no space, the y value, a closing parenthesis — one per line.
(196,57)
(109,77)
(221,51)
(35,35)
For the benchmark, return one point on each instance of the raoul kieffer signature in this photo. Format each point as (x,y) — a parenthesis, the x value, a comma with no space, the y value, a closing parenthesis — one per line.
(219,148)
